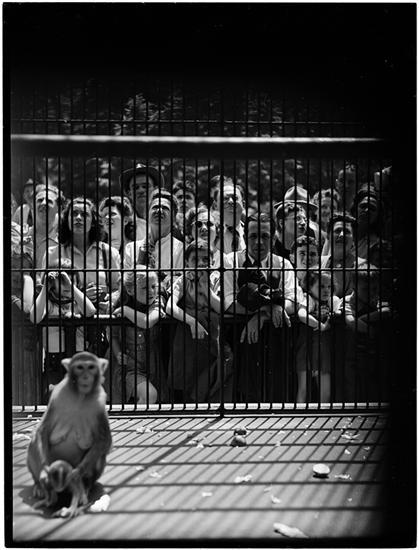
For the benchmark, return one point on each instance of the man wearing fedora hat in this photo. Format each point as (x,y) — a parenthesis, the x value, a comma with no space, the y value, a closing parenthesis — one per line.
(138,183)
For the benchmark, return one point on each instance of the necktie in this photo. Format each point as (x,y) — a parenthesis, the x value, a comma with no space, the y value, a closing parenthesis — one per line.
(235,241)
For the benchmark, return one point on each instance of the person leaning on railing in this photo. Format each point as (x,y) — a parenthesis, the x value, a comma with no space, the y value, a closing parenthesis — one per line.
(136,344)
(98,264)
(194,303)
(60,298)
(266,324)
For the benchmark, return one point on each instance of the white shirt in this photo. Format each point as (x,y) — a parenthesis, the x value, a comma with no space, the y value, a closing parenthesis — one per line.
(280,268)
(168,253)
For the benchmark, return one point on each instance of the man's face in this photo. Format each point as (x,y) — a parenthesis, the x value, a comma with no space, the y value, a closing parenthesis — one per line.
(295,223)
(304,258)
(342,237)
(185,199)
(138,186)
(232,205)
(80,218)
(160,214)
(46,205)
(259,240)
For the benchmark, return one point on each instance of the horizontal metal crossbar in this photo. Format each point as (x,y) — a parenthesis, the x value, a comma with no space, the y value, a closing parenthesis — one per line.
(198,147)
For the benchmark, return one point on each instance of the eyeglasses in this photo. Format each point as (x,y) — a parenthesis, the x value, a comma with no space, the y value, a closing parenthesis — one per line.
(200,224)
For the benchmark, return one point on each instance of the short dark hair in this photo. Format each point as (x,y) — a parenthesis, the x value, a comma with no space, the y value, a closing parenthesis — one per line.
(340,217)
(123,204)
(185,185)
(303,242)
(164,194)
(192,214)
(259,218)
(96,232)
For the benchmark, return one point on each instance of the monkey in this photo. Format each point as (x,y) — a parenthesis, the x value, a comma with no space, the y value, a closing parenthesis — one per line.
(57,478)
(75,429)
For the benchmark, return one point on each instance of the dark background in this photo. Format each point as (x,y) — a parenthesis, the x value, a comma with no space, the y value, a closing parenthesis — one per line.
(364,53)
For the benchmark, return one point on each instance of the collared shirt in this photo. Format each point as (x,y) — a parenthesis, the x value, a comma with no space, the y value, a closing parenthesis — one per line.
(140,228)
(93,264)
(227,237)
(280,268)
(23,215)
(167,253)
(42,243)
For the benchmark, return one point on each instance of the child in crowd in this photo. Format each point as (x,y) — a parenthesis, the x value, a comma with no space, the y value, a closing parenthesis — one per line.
(194,302)
(314,345)
(136,344)
(61,297)
(365,319)
(304,255)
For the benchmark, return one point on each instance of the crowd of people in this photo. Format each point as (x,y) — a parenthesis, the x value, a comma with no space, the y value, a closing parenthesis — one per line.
(297,296)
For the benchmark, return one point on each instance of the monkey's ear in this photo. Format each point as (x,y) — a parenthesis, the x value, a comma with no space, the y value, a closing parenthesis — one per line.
(66,364)
(103,365)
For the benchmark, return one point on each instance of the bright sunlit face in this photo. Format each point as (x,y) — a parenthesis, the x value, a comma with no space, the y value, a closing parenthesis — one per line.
(185,200)
(304,258)
(203,228)
(160,214)
(46,205)
(146,288)
(295,223)
(80,218)
(259,240)
(112,219)
(232,205)
(139,189)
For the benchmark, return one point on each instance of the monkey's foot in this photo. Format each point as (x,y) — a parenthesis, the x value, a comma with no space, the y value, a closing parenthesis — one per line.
(70,512)
(101,504)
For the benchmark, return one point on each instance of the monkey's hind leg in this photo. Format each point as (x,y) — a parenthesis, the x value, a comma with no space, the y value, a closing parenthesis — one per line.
(79,500)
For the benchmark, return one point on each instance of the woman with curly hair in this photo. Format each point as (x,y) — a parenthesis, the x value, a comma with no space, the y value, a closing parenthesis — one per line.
(81,240)
(116,214)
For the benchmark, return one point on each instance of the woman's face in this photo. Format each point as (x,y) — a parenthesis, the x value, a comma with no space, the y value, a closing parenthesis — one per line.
(112,219)
(80,219)
(203,228)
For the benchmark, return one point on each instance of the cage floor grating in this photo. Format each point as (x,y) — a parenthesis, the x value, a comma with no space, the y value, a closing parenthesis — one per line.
(176,478)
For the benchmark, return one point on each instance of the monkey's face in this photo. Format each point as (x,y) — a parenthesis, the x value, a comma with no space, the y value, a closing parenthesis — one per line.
(85,375)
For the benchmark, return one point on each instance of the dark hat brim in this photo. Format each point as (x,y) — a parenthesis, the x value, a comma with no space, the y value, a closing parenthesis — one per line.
(152,172)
